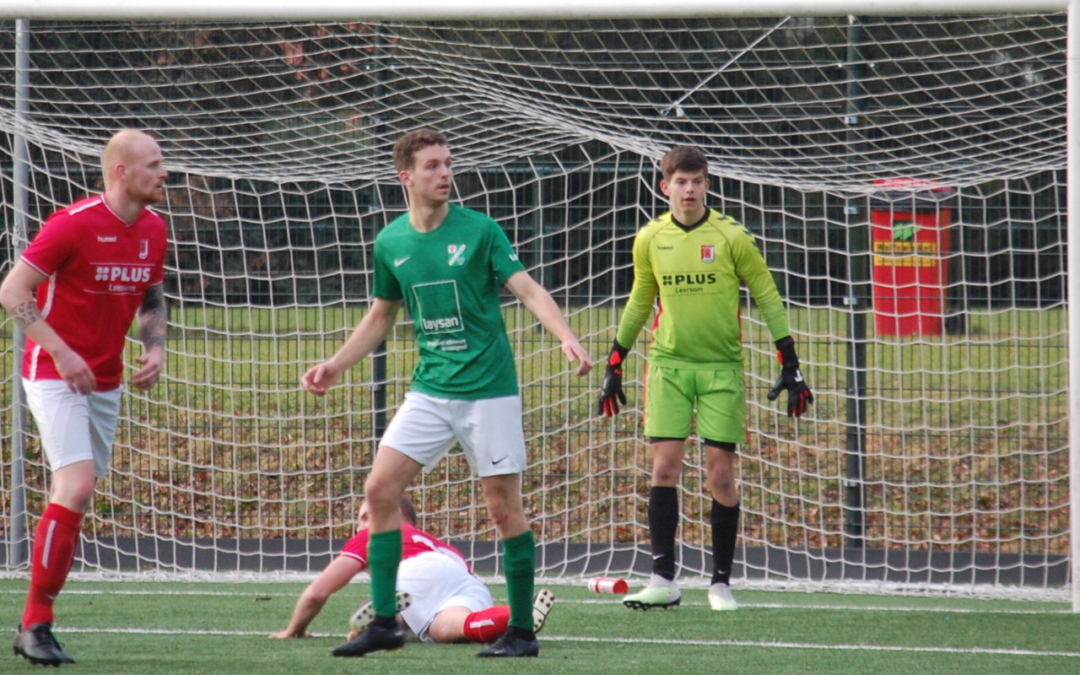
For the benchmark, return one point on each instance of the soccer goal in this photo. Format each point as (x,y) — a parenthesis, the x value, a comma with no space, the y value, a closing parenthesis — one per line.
(905,177)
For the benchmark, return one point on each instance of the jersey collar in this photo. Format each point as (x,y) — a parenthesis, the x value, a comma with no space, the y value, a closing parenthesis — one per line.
(688,228)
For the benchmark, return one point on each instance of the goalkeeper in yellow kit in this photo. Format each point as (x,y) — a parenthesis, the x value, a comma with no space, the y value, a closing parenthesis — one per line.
(693,258)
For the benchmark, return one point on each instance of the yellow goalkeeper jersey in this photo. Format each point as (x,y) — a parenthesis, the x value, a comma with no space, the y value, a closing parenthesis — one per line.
(696,273)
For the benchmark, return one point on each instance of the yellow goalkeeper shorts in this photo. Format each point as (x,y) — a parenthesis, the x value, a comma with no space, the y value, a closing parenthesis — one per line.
(672,394)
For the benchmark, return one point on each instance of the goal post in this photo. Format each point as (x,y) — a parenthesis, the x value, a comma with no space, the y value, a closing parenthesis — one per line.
(480,10)
(939,454)
(1073,229)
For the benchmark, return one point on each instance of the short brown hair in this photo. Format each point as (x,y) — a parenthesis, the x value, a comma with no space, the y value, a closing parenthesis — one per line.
(408,511)
(413,142)
(684,158)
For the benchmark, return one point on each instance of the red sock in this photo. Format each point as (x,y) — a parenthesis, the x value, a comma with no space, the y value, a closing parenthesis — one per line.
(487,624)
(54,550)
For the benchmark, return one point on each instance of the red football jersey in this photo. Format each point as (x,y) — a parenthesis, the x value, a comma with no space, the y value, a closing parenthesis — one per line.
(413,543)
(99,268)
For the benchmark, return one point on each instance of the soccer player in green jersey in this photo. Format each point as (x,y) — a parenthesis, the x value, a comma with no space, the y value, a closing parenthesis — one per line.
(693,258)
(446,264)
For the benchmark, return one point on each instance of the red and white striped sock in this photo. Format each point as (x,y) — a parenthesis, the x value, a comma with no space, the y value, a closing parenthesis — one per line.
(54,550)
(487,624)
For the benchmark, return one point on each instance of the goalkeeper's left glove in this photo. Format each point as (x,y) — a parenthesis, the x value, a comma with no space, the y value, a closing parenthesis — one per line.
(799,394)
(611,391)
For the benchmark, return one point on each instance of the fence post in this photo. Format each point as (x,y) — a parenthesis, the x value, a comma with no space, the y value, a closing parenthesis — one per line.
(857,302)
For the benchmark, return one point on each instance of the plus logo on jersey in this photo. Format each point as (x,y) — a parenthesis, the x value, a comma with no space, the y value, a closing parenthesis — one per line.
(128,273)
(690,282)
(708,254)
(122,278)
(457,255)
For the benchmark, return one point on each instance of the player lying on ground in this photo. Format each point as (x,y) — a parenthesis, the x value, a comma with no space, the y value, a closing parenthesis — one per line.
(439,599)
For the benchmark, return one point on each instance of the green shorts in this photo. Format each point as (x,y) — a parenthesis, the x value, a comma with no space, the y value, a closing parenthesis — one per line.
(671,394)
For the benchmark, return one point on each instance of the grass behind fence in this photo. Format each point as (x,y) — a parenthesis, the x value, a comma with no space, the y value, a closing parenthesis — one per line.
(965,438)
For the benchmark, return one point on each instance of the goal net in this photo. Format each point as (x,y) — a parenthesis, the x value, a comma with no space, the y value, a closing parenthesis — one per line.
(904,178)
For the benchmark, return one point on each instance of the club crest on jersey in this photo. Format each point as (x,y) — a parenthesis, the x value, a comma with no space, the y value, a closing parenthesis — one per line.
(457,255)
(708,254)
(144,249)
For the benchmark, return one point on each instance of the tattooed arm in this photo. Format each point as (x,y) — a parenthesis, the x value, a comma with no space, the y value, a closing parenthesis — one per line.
(25,314)
(17,297)
(153,327)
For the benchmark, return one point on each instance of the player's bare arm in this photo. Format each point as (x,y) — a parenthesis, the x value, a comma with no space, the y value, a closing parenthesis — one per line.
(336,576)
(367,335)
(153,328)
(25,314)
(17,294)
(153,318)
(540,303)
(17,297)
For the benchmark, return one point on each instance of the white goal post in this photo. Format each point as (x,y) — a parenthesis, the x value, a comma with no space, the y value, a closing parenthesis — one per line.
(468,10)
(939,457)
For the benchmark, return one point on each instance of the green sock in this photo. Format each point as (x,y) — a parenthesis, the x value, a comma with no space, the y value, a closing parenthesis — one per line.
(519,565)
(384,555)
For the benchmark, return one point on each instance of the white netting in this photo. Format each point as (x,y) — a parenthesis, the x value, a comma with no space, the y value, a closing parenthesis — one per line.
(956,99)
(938,457)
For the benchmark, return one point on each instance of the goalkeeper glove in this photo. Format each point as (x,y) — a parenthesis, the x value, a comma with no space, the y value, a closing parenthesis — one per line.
(611,393)
(799,394)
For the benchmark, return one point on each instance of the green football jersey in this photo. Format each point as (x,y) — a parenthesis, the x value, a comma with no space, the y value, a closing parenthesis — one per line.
(449,280)
(696,275)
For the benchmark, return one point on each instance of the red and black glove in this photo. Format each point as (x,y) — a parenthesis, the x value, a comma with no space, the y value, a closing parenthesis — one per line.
(611,393)
(799,394)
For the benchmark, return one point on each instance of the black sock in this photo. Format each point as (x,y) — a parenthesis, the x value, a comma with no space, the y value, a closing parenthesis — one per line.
(663,521)
(384,621)
(725,529)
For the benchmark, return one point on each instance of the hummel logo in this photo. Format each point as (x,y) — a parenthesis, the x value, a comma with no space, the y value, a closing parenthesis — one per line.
(398,262)
(513,256)
(106,240)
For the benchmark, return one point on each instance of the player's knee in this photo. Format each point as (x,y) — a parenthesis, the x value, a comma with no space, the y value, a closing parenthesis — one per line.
(442,634)
(381,496)
(666,474)
(721,479)
(498,512)
(73,489)
(508,520)
(724,488)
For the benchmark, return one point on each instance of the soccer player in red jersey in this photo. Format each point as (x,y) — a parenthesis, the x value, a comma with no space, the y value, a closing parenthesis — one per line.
(92,268)
(438,599)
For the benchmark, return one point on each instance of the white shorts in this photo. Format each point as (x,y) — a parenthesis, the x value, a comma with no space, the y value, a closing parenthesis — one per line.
(489,430)
(74,427)
(437,581)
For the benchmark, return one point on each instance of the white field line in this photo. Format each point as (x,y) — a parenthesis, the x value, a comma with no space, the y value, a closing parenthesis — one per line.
(984,651)
(612,601)
(557,638)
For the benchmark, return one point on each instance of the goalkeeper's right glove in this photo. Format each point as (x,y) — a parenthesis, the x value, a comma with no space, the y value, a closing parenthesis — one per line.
(799,394)
(611,393)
